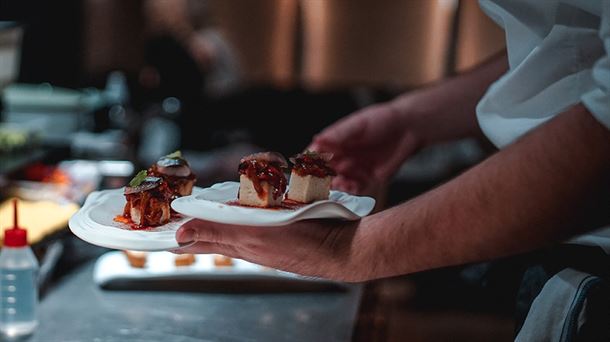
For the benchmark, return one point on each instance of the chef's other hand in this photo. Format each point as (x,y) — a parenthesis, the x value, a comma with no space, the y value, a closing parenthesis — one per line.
(368,146)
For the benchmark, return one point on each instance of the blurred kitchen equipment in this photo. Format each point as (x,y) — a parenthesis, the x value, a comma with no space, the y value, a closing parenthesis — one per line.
(10,47)
(52,112)
(57,113)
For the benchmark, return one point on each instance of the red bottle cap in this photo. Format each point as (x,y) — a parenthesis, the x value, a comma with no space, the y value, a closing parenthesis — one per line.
(15,237)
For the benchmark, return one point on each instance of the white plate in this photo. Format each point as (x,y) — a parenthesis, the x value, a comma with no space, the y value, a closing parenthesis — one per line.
(211,204)
(94,223)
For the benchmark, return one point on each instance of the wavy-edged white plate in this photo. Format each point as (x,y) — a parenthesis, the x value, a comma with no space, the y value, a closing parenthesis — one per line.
(94,223)
(211,204)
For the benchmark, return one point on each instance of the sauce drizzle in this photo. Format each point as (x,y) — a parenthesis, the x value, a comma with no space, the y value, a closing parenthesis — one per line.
(259,171)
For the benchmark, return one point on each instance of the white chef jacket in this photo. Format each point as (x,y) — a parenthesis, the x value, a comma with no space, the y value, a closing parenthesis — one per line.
(558,55)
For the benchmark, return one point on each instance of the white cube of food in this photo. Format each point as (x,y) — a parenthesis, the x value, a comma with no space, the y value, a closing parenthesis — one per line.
(307,189)
(249,196)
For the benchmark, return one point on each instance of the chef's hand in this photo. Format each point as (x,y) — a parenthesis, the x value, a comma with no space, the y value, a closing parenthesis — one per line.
(311,247)
(368,146)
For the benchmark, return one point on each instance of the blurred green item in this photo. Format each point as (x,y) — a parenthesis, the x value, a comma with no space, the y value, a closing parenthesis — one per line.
(15,139)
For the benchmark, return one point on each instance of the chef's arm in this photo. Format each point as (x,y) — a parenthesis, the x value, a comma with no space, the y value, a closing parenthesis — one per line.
(551,184)
(446,110)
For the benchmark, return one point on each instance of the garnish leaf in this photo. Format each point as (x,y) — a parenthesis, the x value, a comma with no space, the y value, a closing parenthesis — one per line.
(175,155)
(138,179)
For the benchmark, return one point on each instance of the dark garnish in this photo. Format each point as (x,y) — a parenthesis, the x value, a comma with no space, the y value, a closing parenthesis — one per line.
(313,163)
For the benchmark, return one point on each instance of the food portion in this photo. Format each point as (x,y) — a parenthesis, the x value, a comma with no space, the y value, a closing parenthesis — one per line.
(148,200)
(310,177)
(136,259)
(222,261)
(151,191)
(184,260)
(176,172)
(262,182)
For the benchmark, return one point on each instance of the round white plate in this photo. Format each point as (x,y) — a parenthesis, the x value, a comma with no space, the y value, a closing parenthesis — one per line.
(94,223)
(211,204)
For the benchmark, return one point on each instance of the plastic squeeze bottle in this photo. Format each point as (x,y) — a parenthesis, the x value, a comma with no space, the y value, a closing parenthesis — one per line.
(18,282)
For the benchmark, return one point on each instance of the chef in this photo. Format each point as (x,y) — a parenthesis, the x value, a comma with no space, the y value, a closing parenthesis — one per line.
(545,103)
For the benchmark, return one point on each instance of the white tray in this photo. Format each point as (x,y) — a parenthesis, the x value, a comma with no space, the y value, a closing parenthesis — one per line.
(113,267)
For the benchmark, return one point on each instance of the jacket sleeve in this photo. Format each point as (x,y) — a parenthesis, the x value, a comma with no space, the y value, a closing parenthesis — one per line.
(598,100)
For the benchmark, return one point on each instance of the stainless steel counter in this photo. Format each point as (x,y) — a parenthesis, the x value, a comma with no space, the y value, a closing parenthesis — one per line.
(78,310)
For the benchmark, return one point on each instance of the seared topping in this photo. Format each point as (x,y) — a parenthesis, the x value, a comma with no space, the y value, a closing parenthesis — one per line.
(168,162)
(148,184)
(313,163)
(272,158)
(174,170)
(172,165)
(265,170)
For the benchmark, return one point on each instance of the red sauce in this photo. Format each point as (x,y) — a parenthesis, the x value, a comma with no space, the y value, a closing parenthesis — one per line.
(305,165)
(259,171)
(286,205)
(292,204)
(126,220)
(131,224)
(122,219)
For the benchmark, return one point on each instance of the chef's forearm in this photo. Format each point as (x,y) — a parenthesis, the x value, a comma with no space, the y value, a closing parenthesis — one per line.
(446,110)
(551,184)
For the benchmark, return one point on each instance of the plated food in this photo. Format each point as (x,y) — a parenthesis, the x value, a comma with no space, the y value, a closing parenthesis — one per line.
(181,260)
(148,201)
(310,177)
(132,218)
(136,259)
(222,261)
(151,191)
(262,180)
(139,259)
(263,183)
(176,172)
